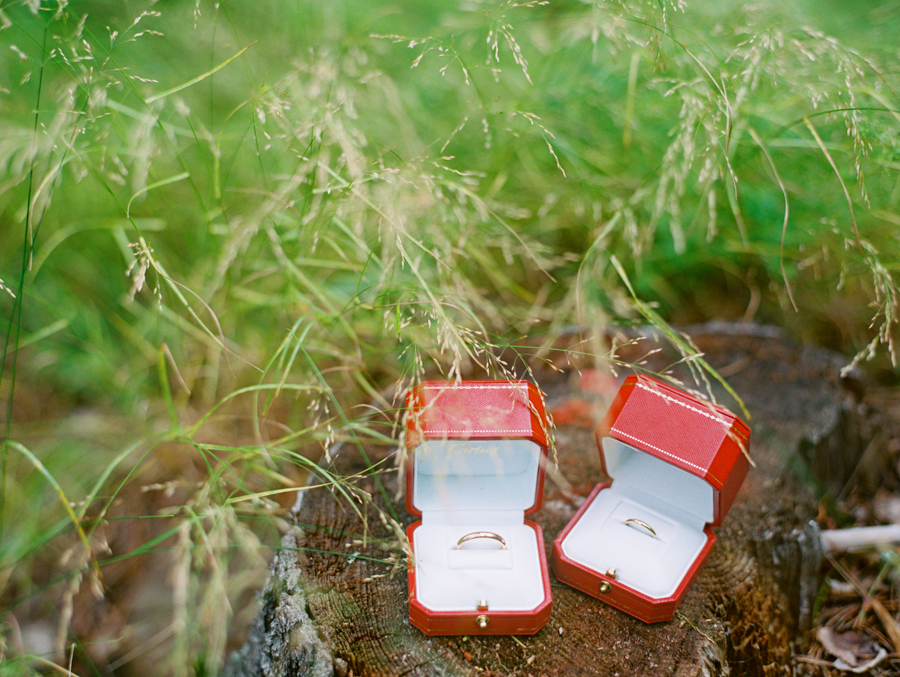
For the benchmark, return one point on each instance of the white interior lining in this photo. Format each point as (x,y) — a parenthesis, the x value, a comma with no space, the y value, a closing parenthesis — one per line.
(462,486)
(453,475)
(667,484)
(448,579)
(675,503)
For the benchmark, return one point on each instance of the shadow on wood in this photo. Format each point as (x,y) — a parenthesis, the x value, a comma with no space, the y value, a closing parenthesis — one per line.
(336,600)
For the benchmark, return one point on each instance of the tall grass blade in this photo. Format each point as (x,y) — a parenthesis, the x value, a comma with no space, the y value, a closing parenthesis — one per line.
(199,78)
(64,500)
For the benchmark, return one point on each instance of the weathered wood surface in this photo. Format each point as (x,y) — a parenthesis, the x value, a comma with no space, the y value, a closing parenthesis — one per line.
(336,600)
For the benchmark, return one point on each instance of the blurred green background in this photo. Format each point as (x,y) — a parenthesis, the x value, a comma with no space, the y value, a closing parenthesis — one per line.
(225,225)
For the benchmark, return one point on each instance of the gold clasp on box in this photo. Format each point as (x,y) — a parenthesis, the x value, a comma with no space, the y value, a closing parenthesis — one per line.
(482,621)
(605,585)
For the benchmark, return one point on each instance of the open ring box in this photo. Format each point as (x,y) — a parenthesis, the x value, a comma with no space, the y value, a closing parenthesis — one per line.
(676,464)
(475,468)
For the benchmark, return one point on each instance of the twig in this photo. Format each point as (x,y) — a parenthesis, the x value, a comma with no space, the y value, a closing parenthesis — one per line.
(859,538)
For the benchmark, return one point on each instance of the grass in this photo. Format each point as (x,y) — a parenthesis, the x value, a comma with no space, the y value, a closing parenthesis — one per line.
(225,227)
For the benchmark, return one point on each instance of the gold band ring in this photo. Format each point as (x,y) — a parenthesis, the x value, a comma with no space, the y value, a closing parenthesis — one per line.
(481,534)
(641,523)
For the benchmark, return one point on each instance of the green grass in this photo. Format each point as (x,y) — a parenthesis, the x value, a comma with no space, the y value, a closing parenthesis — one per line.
(223,228)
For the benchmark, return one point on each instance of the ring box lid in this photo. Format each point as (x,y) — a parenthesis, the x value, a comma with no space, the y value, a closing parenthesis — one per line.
(701,439)
(475,446)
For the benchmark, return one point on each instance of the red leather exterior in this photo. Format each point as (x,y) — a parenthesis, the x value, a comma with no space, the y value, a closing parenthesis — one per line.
(639,605)
(475,410)
(698,437)
(464,622)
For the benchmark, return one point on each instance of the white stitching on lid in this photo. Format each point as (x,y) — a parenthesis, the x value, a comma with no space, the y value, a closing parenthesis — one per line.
(703,470)
(501,386)
(660,450)
(520,387)
(478,432)
(703,412)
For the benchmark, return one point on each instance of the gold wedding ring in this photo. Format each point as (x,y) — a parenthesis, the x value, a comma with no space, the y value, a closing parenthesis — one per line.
(481,534)
(642,524)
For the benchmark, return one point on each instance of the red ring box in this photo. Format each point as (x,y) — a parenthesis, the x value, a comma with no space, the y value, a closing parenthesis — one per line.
(676,464)
(475,463)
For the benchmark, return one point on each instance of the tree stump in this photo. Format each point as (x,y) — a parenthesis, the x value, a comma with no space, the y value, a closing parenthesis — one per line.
(336,599)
